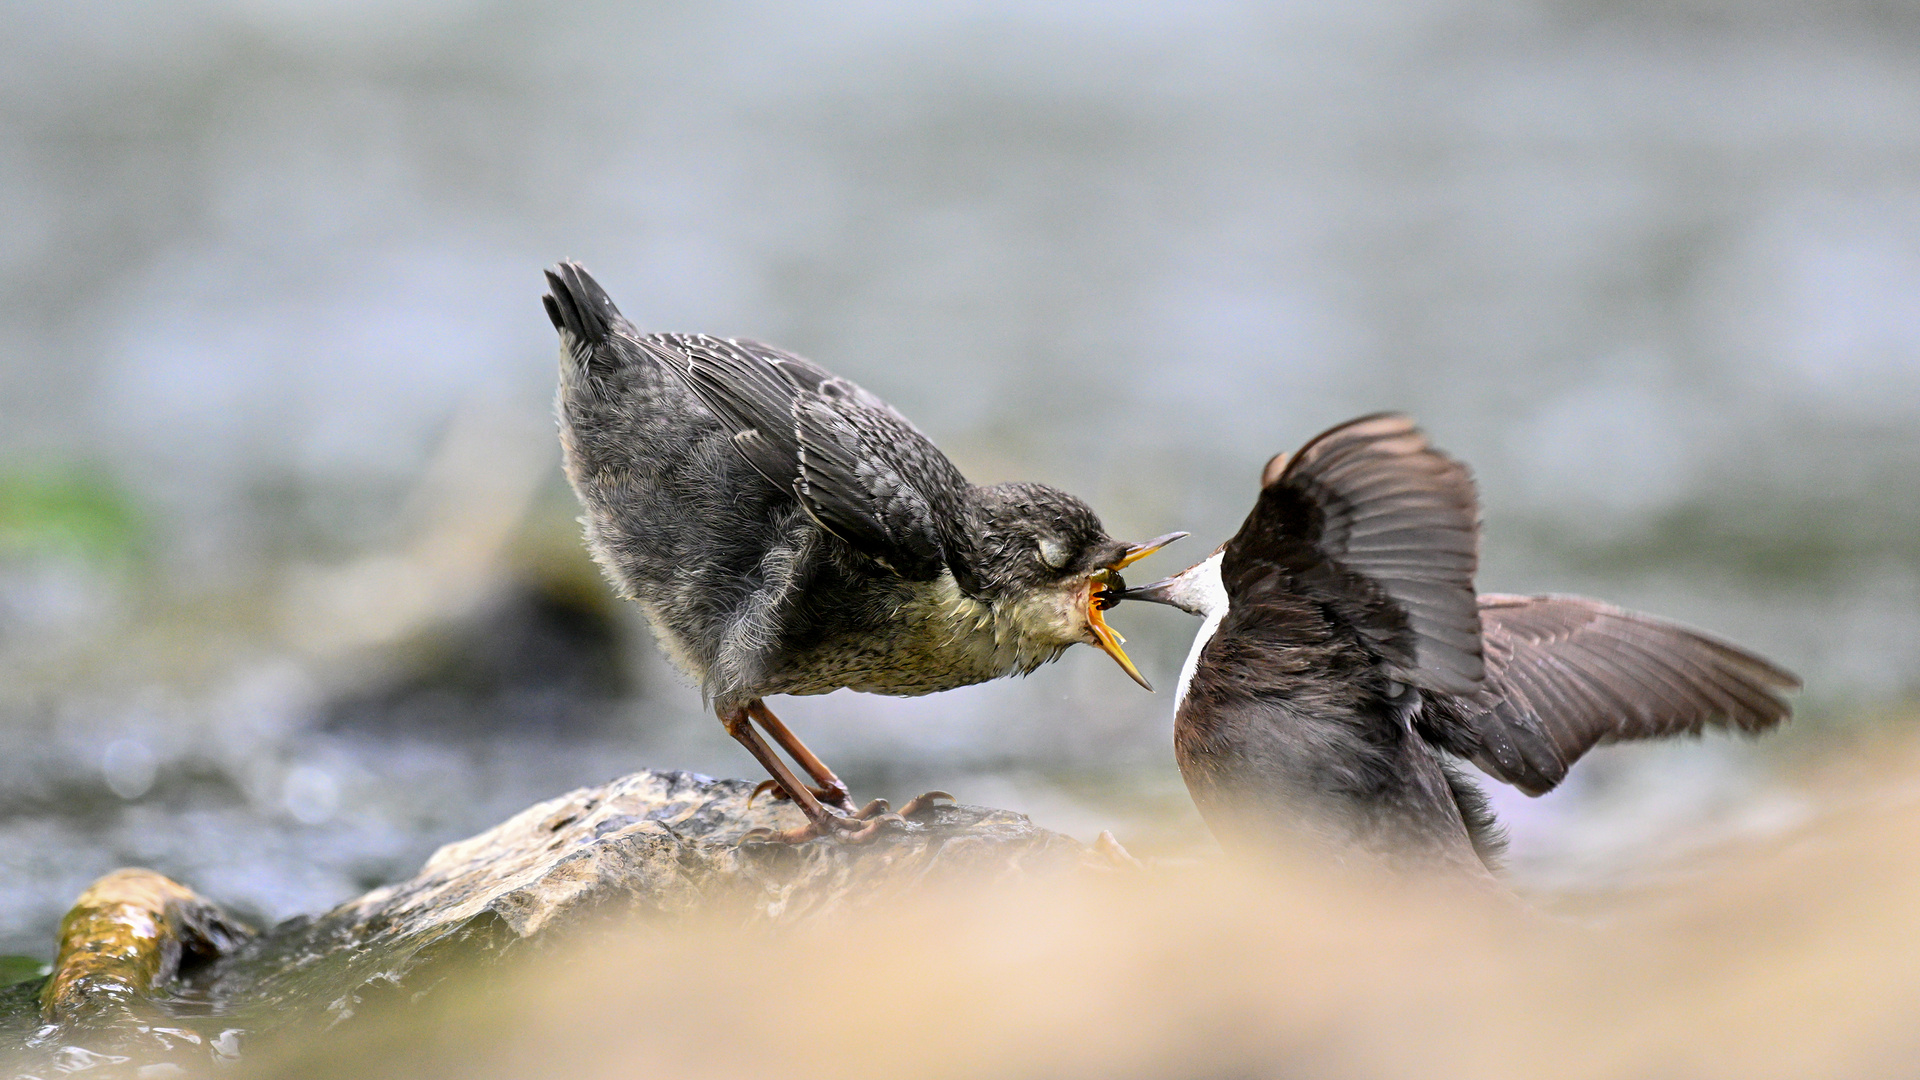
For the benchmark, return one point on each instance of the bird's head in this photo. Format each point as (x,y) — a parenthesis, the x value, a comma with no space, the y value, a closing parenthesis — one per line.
(1041,556)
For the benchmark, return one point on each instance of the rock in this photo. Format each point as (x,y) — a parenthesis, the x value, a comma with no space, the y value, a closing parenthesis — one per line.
(129,942)
(670,843)
(124,941)
(655,846)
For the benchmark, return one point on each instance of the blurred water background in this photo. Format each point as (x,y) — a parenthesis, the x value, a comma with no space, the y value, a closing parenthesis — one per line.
(290,586)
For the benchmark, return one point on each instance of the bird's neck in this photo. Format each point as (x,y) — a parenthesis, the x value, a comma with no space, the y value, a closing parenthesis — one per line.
(1208,593)
(966,546)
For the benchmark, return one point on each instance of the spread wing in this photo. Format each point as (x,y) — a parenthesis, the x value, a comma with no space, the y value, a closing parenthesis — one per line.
(1373,523)
(1565,673)
(859,468)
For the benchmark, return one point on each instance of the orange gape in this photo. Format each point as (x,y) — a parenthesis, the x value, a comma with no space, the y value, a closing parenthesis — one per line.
(1106,636)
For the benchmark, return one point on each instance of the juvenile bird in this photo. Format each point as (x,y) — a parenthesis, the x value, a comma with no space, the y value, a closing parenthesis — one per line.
(1345,665)
(787,532)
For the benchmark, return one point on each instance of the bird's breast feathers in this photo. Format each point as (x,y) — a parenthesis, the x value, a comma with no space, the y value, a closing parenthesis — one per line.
(938,638)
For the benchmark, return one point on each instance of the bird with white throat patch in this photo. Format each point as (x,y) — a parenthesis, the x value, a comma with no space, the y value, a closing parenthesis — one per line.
(1345,668)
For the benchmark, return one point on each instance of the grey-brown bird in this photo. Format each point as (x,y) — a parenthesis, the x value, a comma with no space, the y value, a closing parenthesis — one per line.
(1345,666)
(787,532)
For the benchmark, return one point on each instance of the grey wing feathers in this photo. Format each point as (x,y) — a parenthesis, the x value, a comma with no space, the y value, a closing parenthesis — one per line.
(1565,673)
(858,467)
(1404,516)
(860,490)
(746,393)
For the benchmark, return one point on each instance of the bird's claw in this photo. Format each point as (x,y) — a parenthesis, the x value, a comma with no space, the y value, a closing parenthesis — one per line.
(867,831)
(924,802)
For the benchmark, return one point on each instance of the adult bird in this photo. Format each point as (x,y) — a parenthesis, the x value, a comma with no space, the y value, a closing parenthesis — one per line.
(787,532)
(1345,665)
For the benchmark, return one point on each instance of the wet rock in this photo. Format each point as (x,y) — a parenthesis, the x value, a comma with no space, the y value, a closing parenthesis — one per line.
(126,947)
(651,846)
(125,940)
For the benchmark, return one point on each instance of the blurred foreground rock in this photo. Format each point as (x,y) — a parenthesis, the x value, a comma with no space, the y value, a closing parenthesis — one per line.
(151,976)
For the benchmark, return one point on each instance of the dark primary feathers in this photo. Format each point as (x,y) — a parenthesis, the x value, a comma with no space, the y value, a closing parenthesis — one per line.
(1565,673)
(1371,521)
(1383,529)
(860,469)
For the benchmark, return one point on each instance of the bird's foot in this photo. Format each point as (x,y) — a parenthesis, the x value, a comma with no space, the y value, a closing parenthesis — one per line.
(764,835)
(838,798)
(861,828)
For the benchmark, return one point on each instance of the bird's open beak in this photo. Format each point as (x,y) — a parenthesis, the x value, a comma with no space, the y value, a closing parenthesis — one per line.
(1099,595)
(1106,636)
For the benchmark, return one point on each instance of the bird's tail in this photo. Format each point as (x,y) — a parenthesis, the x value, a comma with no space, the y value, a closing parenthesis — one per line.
(1476,812)
(582,312)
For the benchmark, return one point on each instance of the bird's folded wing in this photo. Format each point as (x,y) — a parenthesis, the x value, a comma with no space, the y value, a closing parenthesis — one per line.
(859,468)
(1565,673)
(1372,522)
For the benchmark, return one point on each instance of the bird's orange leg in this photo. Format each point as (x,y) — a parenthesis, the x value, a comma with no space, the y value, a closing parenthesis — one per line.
(831,791)
(820,820)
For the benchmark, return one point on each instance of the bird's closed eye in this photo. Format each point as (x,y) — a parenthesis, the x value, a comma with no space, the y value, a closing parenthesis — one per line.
(1053,552)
